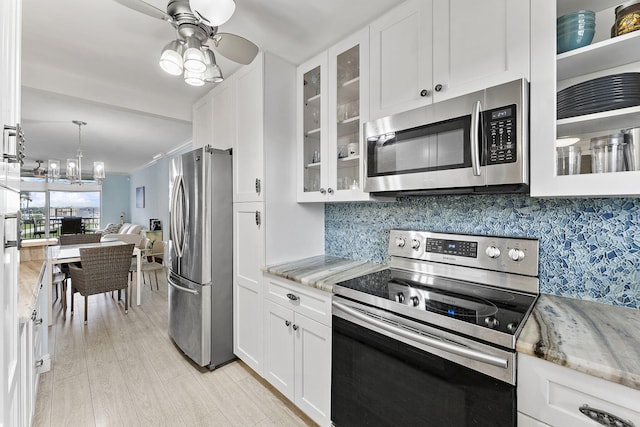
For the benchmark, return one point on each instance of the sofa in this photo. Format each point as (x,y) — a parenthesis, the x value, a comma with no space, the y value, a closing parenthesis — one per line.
(127,232)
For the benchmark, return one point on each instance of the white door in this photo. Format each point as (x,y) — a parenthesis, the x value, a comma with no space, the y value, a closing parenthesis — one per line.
(248,151)
(278,349)
(478,45)
(401,54)
(313,368)
(248,259)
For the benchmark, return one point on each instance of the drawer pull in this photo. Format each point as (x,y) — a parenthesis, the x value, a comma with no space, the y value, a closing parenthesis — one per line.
(295,327)
(293,297)
(287,323)
(39,363)
(603,417)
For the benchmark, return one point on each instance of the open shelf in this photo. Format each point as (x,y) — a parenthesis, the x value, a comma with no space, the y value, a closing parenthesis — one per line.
(599,56)
(607,120)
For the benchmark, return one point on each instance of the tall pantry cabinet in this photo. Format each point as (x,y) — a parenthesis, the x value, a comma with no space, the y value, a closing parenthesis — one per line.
(269,226)
(10,32)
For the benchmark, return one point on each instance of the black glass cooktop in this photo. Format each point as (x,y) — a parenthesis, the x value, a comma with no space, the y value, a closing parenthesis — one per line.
(497,309)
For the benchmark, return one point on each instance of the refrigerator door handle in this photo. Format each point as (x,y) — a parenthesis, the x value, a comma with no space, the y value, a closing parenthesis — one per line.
(181,288)
(178,190)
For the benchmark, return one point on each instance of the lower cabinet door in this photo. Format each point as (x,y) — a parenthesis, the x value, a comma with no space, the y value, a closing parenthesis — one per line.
(312,365)
(278,350)
(527,421)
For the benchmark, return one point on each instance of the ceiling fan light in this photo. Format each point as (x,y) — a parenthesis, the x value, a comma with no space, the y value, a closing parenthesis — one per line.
(171,58)
(193,79)
(193,56)
(213,74)
(216,12)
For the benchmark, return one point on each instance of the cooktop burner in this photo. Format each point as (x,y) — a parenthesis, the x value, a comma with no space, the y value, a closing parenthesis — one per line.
(480,286)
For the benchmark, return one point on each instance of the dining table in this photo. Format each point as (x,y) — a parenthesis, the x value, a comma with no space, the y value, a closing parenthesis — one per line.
(71,253)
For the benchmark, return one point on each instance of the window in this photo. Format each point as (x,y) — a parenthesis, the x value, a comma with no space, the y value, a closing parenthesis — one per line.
(42,212)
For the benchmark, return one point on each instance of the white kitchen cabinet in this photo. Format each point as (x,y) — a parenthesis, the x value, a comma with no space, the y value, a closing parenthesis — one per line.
(554,394)
(202,121)
(550,73)
(428,51)
(213,117)
(10,40)
(248,259)
(333,103)
(274,228)
(33,361)
(298,347)
(527,421)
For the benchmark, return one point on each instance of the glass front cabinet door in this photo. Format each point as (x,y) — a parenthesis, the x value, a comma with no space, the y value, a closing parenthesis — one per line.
(334,104)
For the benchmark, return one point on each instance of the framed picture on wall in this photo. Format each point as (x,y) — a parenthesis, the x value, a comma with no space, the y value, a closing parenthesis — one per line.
(140,197)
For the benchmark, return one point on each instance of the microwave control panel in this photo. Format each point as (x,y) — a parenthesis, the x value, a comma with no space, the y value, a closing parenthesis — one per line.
(500,125)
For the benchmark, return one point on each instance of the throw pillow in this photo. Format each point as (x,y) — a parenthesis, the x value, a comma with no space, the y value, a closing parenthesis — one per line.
(112,228)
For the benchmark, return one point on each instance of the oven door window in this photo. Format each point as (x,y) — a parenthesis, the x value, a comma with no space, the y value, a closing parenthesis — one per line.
(439,146)
(378,381)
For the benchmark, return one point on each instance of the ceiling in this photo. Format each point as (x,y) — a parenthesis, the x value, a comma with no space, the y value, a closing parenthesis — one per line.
(97,61)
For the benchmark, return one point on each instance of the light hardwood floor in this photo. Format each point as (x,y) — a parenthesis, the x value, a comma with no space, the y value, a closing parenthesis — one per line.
(123,370)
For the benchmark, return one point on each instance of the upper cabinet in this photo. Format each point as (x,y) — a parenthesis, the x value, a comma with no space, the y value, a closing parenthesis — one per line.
(213,117)
(333,104)
(601,170)
(428,51)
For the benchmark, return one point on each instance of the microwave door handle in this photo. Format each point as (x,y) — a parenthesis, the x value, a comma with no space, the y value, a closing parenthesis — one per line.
(475,146)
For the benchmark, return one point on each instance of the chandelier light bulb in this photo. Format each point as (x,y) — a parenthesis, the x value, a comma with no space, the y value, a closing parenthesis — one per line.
(98,172)
(53,171)
(171,58)
(216,12)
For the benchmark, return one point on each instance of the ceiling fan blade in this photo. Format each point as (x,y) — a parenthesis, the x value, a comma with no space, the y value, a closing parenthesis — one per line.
(146,8)
(236,48)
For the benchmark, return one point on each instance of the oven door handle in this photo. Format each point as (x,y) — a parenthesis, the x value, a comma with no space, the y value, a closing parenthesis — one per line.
(441,345)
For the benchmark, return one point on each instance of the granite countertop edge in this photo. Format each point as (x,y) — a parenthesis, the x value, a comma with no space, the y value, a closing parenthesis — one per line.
(598,339)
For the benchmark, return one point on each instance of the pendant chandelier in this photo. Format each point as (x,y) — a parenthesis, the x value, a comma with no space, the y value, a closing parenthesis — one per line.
(74,165)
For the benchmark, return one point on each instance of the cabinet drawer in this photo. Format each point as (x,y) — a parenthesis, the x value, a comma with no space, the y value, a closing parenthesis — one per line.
(310,302)
(554,395)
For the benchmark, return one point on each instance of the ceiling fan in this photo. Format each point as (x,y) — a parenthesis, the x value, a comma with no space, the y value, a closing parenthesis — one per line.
(196,23)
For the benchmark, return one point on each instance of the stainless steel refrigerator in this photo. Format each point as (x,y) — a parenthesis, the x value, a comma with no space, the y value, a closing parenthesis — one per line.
(200,255)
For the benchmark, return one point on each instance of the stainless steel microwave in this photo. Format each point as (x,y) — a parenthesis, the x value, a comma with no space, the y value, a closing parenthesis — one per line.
(474,143)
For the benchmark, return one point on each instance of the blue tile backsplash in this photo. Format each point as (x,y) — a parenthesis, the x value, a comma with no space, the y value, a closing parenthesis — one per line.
(589,248)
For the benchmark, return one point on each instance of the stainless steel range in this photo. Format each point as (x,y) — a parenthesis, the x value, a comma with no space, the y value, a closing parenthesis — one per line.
(431,340)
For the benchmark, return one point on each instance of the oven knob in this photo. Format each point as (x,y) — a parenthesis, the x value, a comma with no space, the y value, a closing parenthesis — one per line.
(400,297)
(415,301)
(491,322)
(400,242)
(415,244)
(516,254)
(512,326)
(492,252)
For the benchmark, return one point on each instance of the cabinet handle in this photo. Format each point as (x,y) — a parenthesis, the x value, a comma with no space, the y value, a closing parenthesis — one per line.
(258,185)
(34,317)
(18,242)
(293,297)
(438,87)
(39,363)
(295,327)
(330,190)
(603,417)
(425,93)
(13,131)
(258,221)
(287,323)
(323,191)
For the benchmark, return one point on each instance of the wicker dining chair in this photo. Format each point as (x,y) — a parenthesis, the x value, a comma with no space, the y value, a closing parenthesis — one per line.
(77,239)
(153,261)
(102,269)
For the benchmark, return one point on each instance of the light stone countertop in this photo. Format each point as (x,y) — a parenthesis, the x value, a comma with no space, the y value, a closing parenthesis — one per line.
(323,271)
(28,287)
(598,339)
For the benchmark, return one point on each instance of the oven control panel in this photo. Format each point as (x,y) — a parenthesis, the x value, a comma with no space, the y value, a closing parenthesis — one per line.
(497,253)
